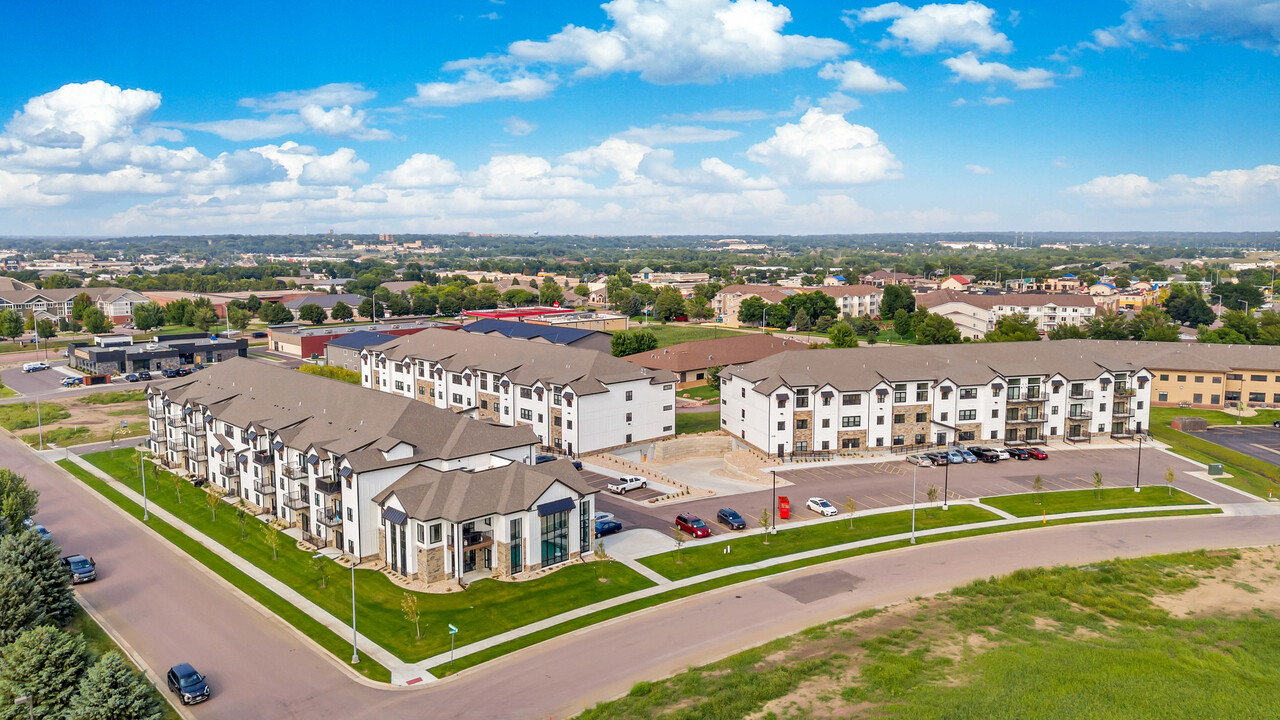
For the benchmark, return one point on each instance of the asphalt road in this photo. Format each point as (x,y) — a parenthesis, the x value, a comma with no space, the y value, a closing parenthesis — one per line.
(1259,441)
(170,610)
(888,483)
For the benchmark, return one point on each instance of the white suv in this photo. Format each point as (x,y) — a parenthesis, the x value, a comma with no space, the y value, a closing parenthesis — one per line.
(821,506)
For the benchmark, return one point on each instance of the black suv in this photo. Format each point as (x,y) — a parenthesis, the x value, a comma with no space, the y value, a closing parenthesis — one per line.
(189,685)
(81,568)
(730,517)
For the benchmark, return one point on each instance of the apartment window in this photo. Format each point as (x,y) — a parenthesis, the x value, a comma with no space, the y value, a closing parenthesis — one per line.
(526,393)
(628,438)
(782,424)
(1162,397)
(517,547)
(849,443)
(880,397)
(968,393)
(1257,397)
(922,396)
(743,392)
(967,415)
(919,438)
(1053,410)
(1200,378)
(350,514)
(1235,376)
(899,440)
(802,446)
(899,418)
(1217,380)
(802,424)
(526,414)
(802,398)
(826,422)
(1164,376)
(1215,399)
(850,399)
(555,421)
(456,378)
(555,398)
(457,399)
(944,417)
(1057,389)
(1013,415)
(628,417)
(879,442)
(484,381)
(1014,392)
(965,436)
(540,416)
(484,404)
(826,401)
(506,410)
(879,419)
(568,424)
(629,395)
(584,527)
(900,396)
(422,389)
(995,414)
(995,393)
(1257,378)
(436,533)
(1197,398)
(993,435)
(422,533)
(922,417)
(851,421)
(1182,378)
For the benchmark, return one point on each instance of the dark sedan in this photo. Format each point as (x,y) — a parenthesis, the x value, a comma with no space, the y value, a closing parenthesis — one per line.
(1019,453)
(607,527)
(731,518)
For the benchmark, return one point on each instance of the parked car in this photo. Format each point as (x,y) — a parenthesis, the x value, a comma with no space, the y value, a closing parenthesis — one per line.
(131,377)
(919,460)
(72,381)
(986,455)
(693,525)
(821,506)
(577,464)
(1019,453)
(1001,453)
(954,457)
(601,515)
(144,376)
(607,527)
(189,685)
(36,366)
(66,353)
(169,373)
(968,456)
(730,517)
(182,372)
(42,531)
(1038,454)
(197,367)
(544,459)
(938,458)
(627,483)
(82,569)
(258,334)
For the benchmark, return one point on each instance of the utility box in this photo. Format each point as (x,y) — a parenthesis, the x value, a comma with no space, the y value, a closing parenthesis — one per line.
(1215,468)
(784,507)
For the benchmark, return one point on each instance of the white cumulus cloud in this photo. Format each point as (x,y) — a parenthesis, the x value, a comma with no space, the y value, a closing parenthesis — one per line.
(422,170)
(82,115)
(482,85)
(969,68)
(932,27)
(825,148)
(855,77)
(1253,24)
(343,121)
(331,95)
(1223,187)
(518,126)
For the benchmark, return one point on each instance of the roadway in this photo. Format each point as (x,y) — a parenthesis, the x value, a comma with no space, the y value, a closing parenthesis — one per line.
(169,609)
(1259,441)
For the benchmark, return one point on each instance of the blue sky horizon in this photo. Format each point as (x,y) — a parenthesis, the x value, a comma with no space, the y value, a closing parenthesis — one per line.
(639,117)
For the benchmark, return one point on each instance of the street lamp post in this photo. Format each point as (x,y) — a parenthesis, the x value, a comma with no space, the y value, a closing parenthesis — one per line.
(773,514)
(914,468)
(26,700)
(1246,306)
(355,653)
(39,422)
(142,468)
(1137,478)
(946,475)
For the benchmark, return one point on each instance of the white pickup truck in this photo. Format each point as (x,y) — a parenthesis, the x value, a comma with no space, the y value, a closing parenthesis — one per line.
(628,482)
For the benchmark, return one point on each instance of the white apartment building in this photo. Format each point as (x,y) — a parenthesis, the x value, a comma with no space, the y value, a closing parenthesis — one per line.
(977,314)
(856,300)
(898,398)
(575,400)
(319,454)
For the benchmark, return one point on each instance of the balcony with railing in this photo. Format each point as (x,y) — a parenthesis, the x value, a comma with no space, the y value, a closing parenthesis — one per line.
(294,470)
(155,413)
(298,500)
(174,422)
(330,518)
(1026,420)
(229,470)
(1125,391)
(1122,411)
(195,427)
(1080,437)
(264,457)
(265,485)
(477,539)
(1080,394)
(327,487)
(1079,414)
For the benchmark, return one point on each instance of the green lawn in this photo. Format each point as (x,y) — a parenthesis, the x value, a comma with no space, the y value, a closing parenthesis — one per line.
(488,607)
(100,643)
(688,423)
(114,397)
(22,416)
(336,645)
(751,548)
(675,334)
(7,392)
(1248,473)
(1162,416)
(80,435)
(1068,501)
(12,347)
(657,599)
(701,392)
(1060,642)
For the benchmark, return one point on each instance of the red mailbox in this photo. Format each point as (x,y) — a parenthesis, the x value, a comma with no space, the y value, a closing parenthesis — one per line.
(784,507)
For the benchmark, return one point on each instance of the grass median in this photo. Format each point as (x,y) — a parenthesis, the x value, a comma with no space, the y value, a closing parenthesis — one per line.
(1249,474)
(747,549)
(487,607)
(700,422)
(286,611)
(1069,501)
(600,616)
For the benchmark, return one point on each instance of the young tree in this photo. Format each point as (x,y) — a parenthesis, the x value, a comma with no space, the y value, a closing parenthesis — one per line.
(321,565)
(699,309)
(342,311)
(111,690)
(602,561)
(177,487)
(1037,485)
(1097,485)
(801,320)
(10,323)
(764,525)
(679,538)
(312,313)
(550,293)
(850,507)
(932,494)
(37,559)
(713,375)
(18,500)
(842,336)
(45,665)
(45,328)
(274,313)
(273,538)
(901,322)
(79,304)
(409,606)
(213,498)
(242,515)
(1168,479)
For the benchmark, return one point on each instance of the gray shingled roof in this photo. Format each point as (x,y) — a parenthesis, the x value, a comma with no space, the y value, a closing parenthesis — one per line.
(525,362)
(344,419)
(460,495)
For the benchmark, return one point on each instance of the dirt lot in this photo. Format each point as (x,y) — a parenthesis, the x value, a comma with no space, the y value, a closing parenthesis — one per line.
(91,422)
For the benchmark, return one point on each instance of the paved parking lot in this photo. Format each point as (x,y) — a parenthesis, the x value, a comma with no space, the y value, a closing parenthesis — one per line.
(888,483)
(1259,441)
(35,382)
(601,482)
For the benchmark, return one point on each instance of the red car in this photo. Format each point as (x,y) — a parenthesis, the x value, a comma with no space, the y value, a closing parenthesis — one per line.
(1038,454)
(693,525)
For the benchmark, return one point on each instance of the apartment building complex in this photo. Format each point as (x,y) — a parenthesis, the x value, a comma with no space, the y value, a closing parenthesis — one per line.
(574,399)
(436,494)
(1012,393)
(856,300)
(56,303)
(1206,375)
(976,314)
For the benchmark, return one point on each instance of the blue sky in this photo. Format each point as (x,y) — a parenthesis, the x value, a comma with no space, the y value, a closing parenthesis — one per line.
(639,116)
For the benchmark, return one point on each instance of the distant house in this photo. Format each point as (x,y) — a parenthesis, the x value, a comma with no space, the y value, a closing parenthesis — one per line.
(571,336)
(326,302)
(344,350)
(690,361)
(881,278)
(955,282)
(1104,289)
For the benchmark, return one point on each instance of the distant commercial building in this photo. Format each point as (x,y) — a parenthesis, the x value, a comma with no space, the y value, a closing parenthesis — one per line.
(56,304)
(855,300)
(344,351)
(303,341)
(326,302)
(691,361)
(554,334)
(118,354)
(597,321)
(976,314)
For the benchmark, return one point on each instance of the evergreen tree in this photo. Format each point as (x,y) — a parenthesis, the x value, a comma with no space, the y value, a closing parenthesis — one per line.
(111,690)
(45,665)
(38,560)
(896,296)
(19,607)
(17,500)
(842,335)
